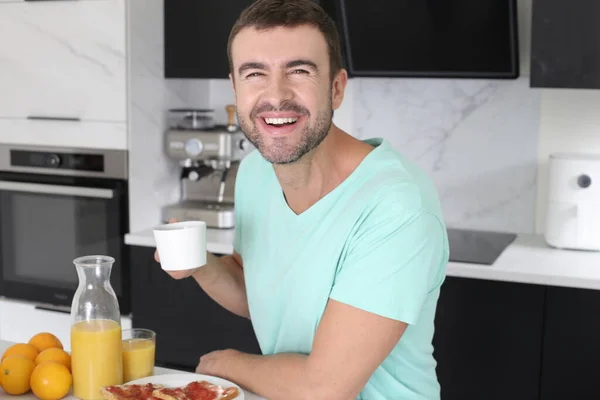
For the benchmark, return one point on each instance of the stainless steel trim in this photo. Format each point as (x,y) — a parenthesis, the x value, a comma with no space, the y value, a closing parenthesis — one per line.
(223,219)
(57,189)
(51,307)
(115,161)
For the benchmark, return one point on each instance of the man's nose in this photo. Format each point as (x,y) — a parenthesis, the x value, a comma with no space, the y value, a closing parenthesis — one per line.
(278,91)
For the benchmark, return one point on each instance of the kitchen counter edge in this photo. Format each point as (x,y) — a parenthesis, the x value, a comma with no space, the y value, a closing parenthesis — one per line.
(218,241)
(527,260)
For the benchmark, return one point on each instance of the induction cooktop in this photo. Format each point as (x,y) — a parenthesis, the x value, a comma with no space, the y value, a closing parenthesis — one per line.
(477,247)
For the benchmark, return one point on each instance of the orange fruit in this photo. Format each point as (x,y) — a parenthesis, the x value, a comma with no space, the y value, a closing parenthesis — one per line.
(54,354)
(21,349)
(16,372)
(51,380)
(45,340)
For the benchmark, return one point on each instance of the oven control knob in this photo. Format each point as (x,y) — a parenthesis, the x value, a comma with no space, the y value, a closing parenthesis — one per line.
(193,147)
(53,160)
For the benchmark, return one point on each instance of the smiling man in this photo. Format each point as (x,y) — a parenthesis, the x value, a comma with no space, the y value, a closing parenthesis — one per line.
(340,245)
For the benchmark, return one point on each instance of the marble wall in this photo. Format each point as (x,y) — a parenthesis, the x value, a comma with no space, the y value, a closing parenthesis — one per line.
(478,140)
(153,176)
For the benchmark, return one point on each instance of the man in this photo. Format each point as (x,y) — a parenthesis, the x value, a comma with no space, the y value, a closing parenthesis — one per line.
(340,245)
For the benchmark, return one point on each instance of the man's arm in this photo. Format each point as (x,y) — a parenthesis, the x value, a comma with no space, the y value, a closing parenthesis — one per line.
(222,278)
(349,345)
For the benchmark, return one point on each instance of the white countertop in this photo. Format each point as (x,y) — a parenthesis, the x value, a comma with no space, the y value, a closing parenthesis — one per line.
(527,260)
(157,371)
(218,241)
(530,260)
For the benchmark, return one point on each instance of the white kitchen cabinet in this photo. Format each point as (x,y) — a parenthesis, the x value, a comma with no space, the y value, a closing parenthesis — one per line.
(63,59)
(83,134)
(19,321)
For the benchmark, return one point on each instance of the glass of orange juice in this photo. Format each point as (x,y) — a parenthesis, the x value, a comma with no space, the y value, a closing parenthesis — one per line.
(139,346)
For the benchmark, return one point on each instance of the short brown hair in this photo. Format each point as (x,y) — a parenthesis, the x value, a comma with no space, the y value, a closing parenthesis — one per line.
(265,14)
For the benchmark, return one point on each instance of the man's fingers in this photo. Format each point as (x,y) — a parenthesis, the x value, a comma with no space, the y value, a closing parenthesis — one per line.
(156,256)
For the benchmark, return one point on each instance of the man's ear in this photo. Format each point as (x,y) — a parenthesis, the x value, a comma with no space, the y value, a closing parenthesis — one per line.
(232,81)
(338,88)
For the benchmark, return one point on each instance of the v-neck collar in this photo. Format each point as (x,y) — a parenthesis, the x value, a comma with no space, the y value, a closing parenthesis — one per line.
(379,145)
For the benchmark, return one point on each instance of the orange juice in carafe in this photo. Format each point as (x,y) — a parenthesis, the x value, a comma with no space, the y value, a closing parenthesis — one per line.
(96,343)
(96,359)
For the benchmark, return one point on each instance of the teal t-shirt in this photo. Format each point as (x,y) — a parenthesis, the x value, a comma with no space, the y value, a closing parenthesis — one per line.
(376,242)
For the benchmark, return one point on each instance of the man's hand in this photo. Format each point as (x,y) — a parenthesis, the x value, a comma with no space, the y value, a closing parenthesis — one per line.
(222,278)
(349,345)
(176,274)
(214,361)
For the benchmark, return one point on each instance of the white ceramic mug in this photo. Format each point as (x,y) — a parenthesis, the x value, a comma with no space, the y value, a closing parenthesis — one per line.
(181,245)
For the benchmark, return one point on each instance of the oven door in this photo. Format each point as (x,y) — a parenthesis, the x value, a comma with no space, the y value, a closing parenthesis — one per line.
(47,222)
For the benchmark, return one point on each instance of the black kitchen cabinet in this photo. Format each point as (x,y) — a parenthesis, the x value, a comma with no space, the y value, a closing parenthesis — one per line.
(565,44)
(187,322)
(488,339)
(196,34)
(571,357)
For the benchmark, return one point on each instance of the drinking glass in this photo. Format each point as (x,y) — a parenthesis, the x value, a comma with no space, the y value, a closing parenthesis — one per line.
(139,347)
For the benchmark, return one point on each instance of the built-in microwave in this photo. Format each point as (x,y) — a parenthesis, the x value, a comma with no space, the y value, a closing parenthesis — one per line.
(57,204)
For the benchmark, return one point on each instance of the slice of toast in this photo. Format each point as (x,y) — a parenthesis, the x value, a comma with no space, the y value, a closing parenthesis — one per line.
(130,392)
(230,393)
(170,394)
(203,390)
(198,390)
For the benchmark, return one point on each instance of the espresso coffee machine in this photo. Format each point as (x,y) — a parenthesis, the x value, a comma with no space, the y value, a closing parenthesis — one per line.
(209,156)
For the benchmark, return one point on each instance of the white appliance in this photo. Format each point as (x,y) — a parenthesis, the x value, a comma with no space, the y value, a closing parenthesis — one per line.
(573,213)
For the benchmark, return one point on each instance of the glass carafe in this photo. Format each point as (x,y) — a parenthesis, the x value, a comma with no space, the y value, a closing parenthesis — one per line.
(96,344)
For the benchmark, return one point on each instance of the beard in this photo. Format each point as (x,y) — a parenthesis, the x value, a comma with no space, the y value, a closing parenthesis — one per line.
(279,150)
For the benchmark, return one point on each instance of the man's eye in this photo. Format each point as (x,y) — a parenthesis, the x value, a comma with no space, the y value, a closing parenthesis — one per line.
(253,74)
(300,71)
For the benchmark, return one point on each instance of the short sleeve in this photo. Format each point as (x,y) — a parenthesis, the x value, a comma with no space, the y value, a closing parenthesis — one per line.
(247,175)
(237,239)
(392,264)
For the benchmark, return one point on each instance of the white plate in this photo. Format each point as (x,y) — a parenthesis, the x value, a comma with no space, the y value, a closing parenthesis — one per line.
(175,380)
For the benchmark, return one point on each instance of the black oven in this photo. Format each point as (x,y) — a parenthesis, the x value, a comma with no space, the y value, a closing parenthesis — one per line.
(57,204)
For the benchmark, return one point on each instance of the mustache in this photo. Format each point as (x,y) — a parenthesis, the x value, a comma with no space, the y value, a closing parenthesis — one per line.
(287,106)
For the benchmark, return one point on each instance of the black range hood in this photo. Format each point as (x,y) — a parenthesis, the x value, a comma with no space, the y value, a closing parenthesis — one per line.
(428,38)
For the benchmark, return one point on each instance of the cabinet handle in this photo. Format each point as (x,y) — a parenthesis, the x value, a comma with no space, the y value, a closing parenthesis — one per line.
(60,309)
(41,118)
(57,189)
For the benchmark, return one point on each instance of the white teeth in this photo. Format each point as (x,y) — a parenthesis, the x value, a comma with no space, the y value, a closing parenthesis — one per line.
(280,121)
